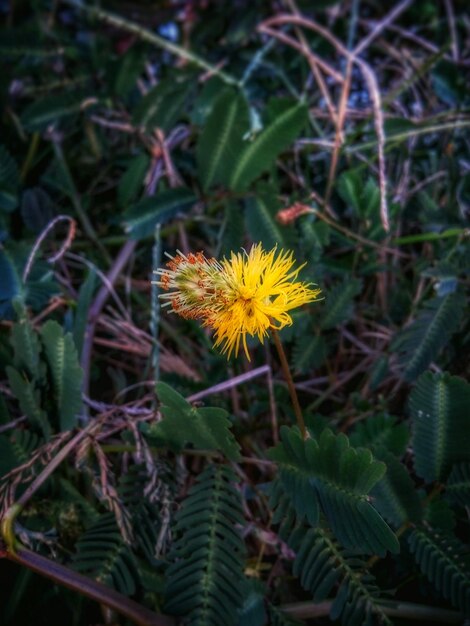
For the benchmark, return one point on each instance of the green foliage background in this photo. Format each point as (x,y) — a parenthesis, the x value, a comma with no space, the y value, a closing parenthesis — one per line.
(338,130)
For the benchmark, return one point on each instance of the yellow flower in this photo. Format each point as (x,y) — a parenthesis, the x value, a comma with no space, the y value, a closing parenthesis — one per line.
(245,295)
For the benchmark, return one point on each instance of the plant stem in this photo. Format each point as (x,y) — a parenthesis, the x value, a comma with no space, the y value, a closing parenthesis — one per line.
(404,610)
(97,306)
(290,382)
(88,587)
(147,35)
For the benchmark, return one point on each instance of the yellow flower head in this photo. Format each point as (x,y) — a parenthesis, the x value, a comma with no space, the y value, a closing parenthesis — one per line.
(244,295)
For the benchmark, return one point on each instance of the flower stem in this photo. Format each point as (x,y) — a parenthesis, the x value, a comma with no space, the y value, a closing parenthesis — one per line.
(290,382)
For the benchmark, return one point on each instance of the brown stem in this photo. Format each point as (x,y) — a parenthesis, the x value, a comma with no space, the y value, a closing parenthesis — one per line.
(88,587)
(404,610)
(290,382)
(96,308)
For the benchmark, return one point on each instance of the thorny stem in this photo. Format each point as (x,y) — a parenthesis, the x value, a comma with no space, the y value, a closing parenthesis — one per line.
(290,382)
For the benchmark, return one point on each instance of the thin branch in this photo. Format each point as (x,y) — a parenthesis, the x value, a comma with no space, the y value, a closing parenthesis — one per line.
(230,383)
(147,35)
(96,308)
(66,244)
(452,29)
(380,26)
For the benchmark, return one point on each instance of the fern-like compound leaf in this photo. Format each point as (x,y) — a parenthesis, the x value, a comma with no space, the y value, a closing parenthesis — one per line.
(321,563)
(147,508)
(420,343)
(26,346)
(205,578)
(381,431)
(205,428)
(102,554)
(445,561)
(16,449)
(458,484)
(339,306)
(29,398)
(67,374)
(340,477)
(309,352)
(439,406)
(395,494)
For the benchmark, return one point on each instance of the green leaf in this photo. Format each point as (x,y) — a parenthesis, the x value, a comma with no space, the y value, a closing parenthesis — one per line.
(26,347)
(51,109)
(163,105)
(395,496)
(29,398)
(309,352)
(8,460)
(350,188)
(449,83)
(258,155)
(132,180)
(16,449)
(205,576)
(444,560)
(141,219)
(253,611)
(458,484)
(321,564)
(438,514)
(339,303)
(10,285)
(221,141)
(315,235)
(233,231)
(363,198)
(299,494)
(420,342)
(260,219)
(439,407)
(67,374)
(85,296)
(381,431)
(9,181)
(37,209)
(205,428)
(128,69)
(102,554)
(342,478)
